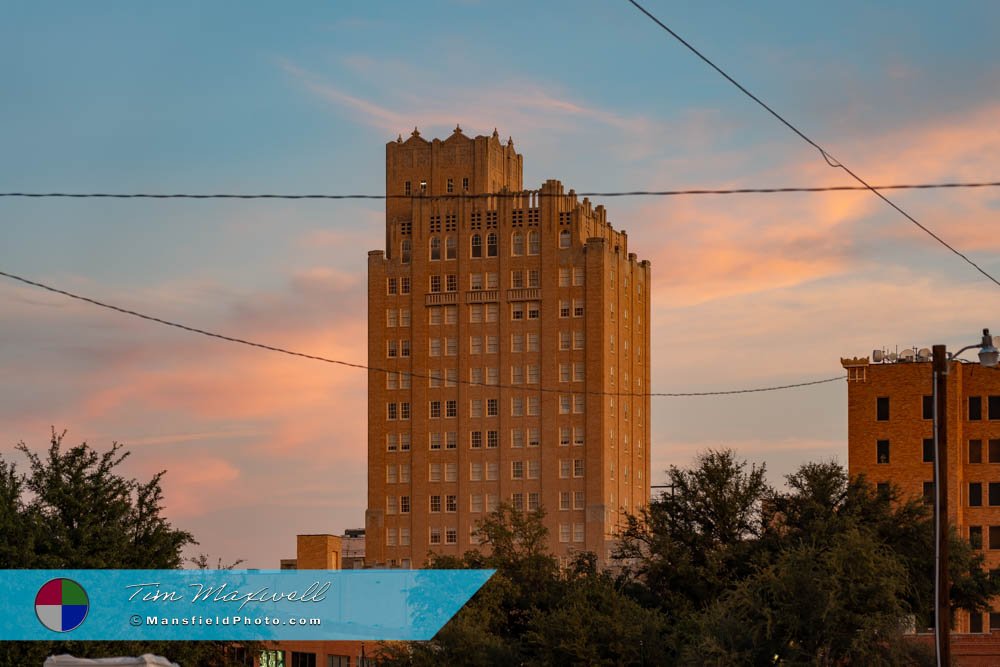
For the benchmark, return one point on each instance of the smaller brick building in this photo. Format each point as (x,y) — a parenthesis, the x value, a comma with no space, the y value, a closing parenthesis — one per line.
(890,441)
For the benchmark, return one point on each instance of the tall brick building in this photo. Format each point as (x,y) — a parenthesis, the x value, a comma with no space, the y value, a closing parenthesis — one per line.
(515,332)
(890,440)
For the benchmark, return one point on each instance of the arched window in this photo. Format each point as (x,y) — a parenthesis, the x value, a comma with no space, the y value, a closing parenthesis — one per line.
(477,246)
(517,243)
(491,245)
(405,254)
(451,248)
(534,243)
(564,238)
(435,248)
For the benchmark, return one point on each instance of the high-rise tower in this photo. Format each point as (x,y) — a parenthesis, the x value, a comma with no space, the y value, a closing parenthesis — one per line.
(514,329)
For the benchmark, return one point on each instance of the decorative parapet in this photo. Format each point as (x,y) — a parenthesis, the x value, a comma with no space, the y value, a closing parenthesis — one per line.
(853,362)
(482,296)
(524,294)
(435,298)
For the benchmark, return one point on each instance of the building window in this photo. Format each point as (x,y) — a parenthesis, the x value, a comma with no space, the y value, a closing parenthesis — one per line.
(451,282)
(994,494)
(532,342)
(404,442)
(564,497)
(451,409)
(492,473)
(577,467)
(577,307)
(564,238)
(477,246)
(491,245)
(435,248)
(882,490)
(882,409)
(975,494)
(492,439)
(451,503)
(534,437)
(516,406)
(928,407)
(391,288)
(976,617)
(994,407)
(975,408)
(994,542)
(435,504)
(564,468)
(435,536)
(451,440)
(578,532)
(476,472)
(492,407)
(435,438)
(517,469)
(465,184)
(407,190)
(564,532)
(423,187)
(994,451)
(975,451)
(928,450)
(404,504)
(405,249)
(578,503)
(534,243)
(451,536)
(451,247)
(929,493)
(534,469)
(976,537)
(517,244)
(476,439)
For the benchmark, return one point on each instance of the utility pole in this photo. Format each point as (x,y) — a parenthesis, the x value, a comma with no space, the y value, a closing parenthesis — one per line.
(942,614)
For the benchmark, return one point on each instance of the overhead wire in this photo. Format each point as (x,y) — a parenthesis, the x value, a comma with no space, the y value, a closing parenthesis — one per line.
(830,160)
(314,357)
(504,195)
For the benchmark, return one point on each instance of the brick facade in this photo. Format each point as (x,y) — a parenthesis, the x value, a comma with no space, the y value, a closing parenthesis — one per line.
(523,323)
(905,460)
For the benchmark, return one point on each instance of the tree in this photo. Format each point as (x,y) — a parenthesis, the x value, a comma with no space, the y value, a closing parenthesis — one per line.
(531,612)
(73,509)
(834,604)
(694,542)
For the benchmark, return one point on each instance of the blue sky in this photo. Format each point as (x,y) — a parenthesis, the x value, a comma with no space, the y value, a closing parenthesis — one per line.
(254,97)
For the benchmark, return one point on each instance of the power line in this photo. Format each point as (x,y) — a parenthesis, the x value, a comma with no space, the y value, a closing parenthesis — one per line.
(504,195)
(348,364)
(830,160)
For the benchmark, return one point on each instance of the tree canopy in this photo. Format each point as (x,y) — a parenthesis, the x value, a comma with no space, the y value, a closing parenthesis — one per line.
(722,569)
(72,508)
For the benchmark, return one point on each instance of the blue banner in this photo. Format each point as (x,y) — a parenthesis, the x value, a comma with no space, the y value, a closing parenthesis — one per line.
(232,604)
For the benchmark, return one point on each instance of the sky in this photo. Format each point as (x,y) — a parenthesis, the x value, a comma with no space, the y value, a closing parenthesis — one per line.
(748,290)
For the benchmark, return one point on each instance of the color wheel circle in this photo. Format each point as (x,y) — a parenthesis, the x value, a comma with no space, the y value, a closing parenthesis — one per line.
(61,605)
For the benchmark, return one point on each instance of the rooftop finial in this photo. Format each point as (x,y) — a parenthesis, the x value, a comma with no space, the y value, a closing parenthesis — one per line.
(495,133)
(416,132)
(399,139)
(458,128)
(510,140)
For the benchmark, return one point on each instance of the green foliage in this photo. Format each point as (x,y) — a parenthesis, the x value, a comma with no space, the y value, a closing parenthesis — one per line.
(73,509)
(722,570)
